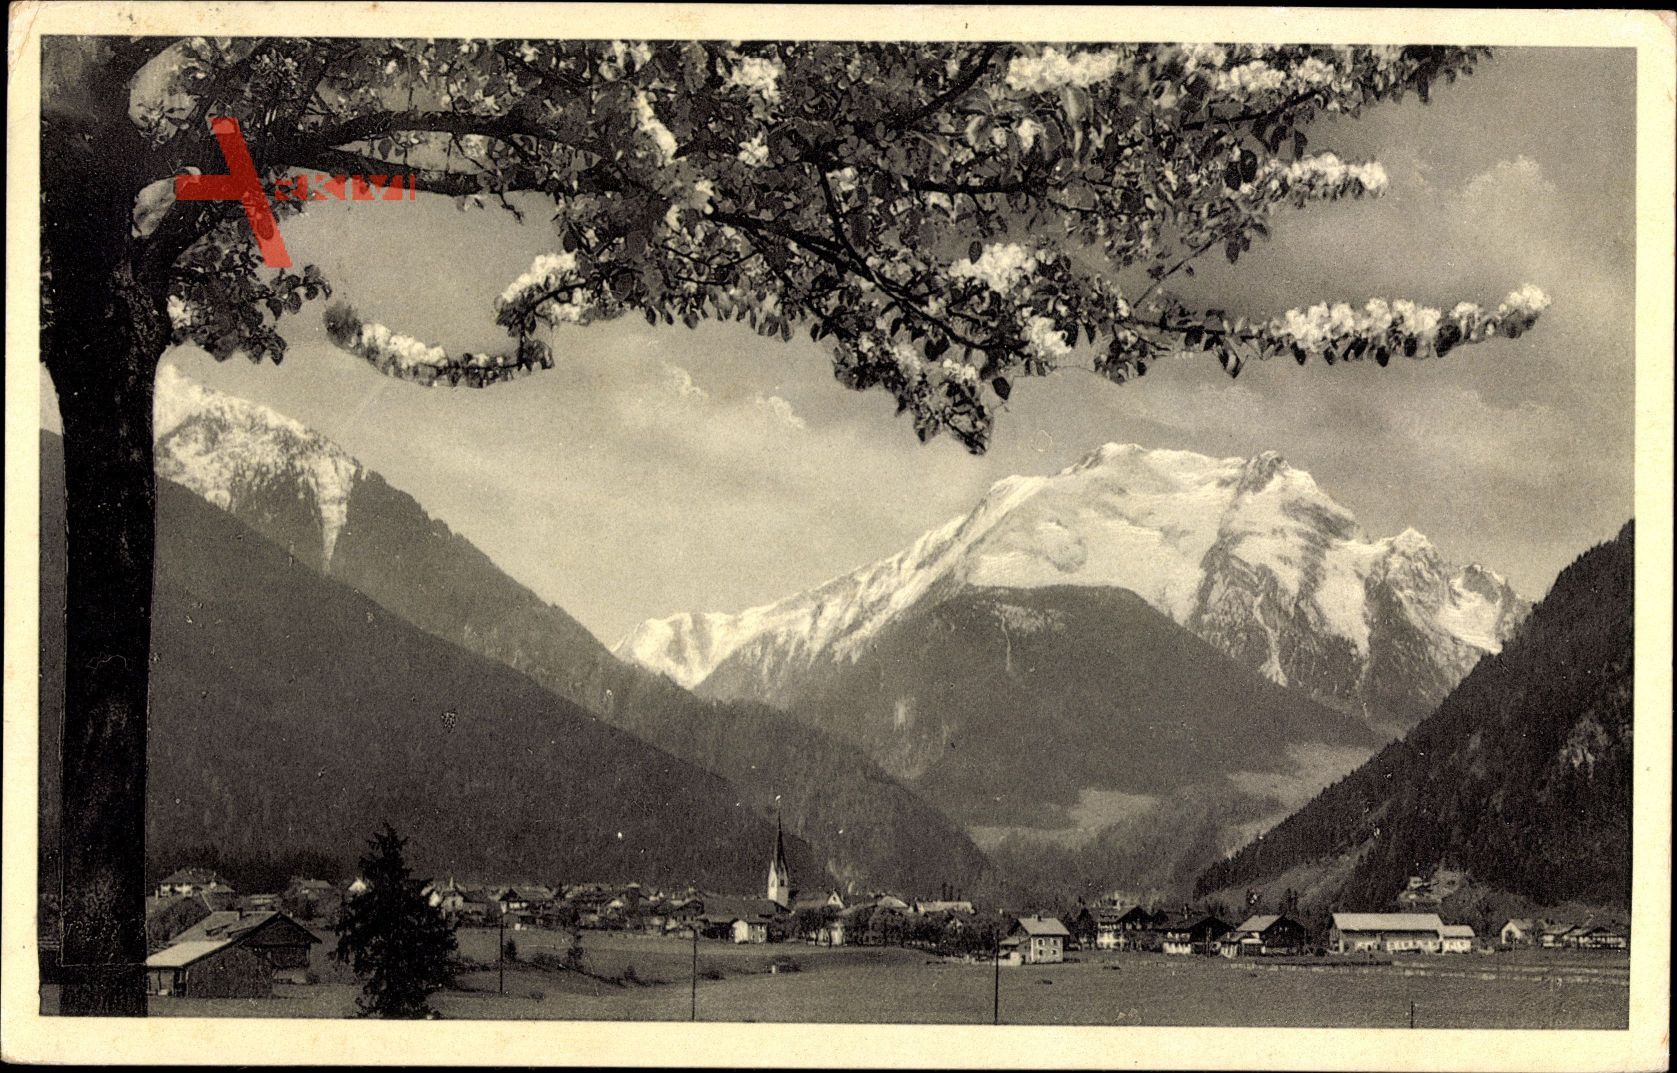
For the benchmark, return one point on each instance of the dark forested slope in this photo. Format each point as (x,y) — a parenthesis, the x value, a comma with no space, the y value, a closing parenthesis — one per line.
(1521,779)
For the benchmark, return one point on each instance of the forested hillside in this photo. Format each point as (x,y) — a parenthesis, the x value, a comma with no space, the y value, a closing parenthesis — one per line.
(291,715)
(1521,779)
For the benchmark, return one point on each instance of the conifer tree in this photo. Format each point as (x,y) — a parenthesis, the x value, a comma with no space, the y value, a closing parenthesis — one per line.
(397,943)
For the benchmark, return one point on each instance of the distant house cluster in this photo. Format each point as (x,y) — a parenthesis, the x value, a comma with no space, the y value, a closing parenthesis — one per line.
(207,941)
(1562,935)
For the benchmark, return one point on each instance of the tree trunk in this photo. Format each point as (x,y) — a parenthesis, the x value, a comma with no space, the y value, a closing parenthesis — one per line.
(110,494)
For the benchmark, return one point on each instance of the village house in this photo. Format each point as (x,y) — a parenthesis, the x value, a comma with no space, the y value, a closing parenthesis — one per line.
(945,906)
(1551,936)
(209,968)
(1390,933)
(1597,937)
(191,881)
(166,918)
(1518,931)
(310,899)
(1265,935)
(1455,939)
(276,938)
(1192,934)
(738,920)
(1035,940)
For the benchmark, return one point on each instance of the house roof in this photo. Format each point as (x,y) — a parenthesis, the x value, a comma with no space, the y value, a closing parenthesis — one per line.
(1523,923)
(724,910)
(310,884)
(183,954)
(233,926)
(1456,931)
(1387,922)
(1042,926)
(191,875)
(1258,924)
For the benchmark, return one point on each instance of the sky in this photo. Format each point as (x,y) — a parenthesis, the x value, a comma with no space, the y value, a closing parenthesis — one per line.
(658,470)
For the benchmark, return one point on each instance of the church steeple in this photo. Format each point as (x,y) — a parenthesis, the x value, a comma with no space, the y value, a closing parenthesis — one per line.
(780,876)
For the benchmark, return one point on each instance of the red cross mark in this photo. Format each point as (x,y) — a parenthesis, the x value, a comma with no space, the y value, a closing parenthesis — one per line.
(242,184)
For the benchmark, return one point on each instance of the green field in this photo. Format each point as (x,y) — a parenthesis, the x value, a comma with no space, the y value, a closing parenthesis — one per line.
(1530,989)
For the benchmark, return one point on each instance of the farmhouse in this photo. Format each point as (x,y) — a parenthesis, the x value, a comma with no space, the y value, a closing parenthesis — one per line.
(191,881)
(1264,935)
(1597,937)
(209,968)
(276,938)
(1518,931)
(1391,933)
(1193,935)
(1036,940)
(1455,939)
(1553,935)
(739,920)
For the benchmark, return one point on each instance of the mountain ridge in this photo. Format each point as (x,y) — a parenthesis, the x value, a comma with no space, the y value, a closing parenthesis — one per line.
(271,472)
(1521,779)
(1249,554)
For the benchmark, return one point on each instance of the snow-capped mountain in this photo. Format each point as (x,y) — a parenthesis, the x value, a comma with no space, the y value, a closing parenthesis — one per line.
(293,483)
(1247,553)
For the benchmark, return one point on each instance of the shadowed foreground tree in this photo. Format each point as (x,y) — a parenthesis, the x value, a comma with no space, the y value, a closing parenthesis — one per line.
(394,939)
(948,218)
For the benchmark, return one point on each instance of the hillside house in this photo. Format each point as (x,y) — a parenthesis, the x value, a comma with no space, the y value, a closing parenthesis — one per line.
(1036,940)
(1455,939)
(191,881)
(208,968)
(1193,935)
(1265,935)
(1390,933)
(1518,931)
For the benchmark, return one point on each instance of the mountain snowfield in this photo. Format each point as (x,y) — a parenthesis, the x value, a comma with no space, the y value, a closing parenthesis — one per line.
(1250,554)
(226,448)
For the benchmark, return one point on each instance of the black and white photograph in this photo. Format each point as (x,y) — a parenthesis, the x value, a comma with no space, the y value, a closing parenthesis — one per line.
(1119,519)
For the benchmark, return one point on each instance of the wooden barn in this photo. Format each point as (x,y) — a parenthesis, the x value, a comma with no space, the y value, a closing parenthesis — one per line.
(1265,935)
(208,968)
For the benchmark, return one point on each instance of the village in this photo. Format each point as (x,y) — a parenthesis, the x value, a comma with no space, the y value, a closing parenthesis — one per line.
(209,941)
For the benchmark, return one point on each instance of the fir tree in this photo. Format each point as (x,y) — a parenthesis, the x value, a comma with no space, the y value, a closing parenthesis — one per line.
(397,943)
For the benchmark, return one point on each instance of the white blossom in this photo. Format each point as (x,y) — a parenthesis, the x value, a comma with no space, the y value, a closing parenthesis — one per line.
(548,271)
(1250,79)
(1028,131)
(1053,69)
(654,128)
(1528,301)
(759,75)
(755,153)
(1314,72)
(1000,266)
(1195,56)
(959,372)
(1044,340)
(182,313)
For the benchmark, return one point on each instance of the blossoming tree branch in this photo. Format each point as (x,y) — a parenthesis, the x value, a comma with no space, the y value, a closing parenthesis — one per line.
(949,218)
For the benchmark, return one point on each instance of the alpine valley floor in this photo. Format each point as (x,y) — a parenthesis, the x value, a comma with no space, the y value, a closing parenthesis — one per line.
(1522,989)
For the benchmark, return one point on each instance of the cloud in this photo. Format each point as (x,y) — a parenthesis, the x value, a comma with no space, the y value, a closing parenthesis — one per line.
(1521,177)
(780,410)
(681,382)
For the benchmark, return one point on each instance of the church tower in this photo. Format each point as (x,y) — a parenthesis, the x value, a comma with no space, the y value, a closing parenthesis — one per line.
(780,876)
